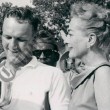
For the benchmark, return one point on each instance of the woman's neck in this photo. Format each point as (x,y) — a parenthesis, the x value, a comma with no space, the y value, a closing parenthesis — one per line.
(94,58)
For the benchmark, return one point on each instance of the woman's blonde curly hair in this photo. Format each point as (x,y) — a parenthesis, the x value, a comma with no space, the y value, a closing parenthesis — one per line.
(97,19)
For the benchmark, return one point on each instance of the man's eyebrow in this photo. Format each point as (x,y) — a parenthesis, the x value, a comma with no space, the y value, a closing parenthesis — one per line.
(6,35)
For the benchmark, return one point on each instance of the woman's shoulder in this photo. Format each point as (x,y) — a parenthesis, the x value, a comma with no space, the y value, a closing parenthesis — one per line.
(103,72)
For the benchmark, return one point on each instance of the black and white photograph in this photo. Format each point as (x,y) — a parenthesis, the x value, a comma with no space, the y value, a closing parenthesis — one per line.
(54,54)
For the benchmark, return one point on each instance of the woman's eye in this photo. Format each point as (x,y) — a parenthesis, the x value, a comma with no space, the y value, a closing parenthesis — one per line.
(71,35)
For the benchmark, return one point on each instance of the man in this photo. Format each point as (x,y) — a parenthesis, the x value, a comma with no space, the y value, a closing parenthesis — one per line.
(25,81)
(46,49)
(46,52)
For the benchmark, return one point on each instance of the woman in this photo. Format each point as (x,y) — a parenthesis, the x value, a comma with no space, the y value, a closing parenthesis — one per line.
(87,38)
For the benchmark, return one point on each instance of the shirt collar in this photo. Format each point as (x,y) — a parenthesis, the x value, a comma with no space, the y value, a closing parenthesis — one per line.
(33,63)
(78,79)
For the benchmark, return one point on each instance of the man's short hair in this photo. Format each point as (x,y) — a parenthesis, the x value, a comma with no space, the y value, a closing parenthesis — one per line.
(23,14)
(47,37)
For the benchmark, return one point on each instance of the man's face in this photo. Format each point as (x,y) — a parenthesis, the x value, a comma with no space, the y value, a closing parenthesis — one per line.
(16,40)
(45,53)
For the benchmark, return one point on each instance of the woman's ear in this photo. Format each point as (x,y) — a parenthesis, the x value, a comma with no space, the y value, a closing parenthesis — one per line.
(91,40)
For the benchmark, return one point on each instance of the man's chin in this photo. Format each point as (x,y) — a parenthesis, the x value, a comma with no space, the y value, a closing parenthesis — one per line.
(14,61)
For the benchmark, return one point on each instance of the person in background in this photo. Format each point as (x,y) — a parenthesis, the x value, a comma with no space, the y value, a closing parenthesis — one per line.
(88,35)
(71,67)
(25,81)
(45,49)
(63,62)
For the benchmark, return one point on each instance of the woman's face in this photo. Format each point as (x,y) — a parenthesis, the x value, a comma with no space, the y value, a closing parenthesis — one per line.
(77,38)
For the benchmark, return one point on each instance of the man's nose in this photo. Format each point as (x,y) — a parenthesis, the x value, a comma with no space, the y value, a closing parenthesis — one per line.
(42,55)
(13,44)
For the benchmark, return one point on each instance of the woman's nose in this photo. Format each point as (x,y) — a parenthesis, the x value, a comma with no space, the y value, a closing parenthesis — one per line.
(66,40)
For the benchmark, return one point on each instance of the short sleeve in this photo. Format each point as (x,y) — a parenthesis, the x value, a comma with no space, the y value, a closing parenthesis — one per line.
(59,94)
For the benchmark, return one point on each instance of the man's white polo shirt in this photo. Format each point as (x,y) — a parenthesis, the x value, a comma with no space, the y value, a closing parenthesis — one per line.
(32,82)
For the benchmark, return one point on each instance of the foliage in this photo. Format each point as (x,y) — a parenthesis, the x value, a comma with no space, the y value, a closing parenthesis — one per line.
(53,14)
(3,8)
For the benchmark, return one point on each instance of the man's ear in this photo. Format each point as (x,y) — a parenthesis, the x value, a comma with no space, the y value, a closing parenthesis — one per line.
(91,39)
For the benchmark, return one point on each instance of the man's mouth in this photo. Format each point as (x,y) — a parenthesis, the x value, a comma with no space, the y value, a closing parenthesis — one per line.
(14,51)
